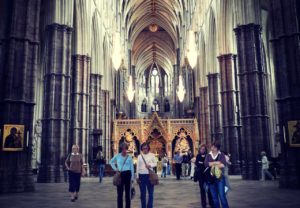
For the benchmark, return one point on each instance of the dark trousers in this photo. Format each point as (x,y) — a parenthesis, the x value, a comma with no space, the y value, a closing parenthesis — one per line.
(178,170)
(126,182)
(203,194)
(144,186)
(164,171)
(74,181)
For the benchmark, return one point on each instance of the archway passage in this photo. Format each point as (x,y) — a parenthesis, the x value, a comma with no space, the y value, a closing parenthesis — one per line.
(157,143)
(182,143)
(132,141)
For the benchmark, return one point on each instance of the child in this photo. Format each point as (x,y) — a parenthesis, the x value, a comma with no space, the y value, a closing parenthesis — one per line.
(265,166)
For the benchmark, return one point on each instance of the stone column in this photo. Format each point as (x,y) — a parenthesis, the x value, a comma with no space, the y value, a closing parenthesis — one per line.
(18,66)
(230,110)
(132,105)
(198,115)
(105,122)
(215,108)
(80,102)
(56,121)
(176,69)
(205,136)
(94,115)
(252,85)
(286,47)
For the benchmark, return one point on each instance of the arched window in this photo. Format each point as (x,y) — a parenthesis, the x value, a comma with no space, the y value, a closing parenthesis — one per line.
(155,81)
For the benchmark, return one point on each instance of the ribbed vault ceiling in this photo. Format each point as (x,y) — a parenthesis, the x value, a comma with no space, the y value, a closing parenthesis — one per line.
(150,46)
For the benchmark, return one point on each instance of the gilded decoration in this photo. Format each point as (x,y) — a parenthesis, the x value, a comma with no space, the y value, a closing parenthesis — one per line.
(165,136)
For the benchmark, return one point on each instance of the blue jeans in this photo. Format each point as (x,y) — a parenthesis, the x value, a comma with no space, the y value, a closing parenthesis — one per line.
(101,172)
(164,171)
(217,191)
(145,184)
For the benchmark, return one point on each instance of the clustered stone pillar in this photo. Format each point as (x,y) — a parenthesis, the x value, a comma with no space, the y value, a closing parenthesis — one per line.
(252,85)
(56,119)
(106,122)
(205,136)
(18,67)
(94,115)
(80,102)
(230,108)
(176,70)
(215,107)
(286,36)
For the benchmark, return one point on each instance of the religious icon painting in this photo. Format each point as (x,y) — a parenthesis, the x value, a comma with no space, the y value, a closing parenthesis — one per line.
(13,137)
(294,133)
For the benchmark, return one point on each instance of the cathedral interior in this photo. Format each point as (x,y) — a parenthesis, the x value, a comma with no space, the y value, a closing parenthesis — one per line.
(174,73)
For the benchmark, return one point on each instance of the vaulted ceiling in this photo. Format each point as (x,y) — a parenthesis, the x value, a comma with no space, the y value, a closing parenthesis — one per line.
(152,28)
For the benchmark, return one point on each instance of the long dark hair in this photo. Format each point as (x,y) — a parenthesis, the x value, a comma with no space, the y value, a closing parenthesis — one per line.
(205,147)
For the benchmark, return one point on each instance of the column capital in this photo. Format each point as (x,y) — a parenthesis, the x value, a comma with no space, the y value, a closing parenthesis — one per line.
(226,56)
(59,27)
(248,27)
(213,75)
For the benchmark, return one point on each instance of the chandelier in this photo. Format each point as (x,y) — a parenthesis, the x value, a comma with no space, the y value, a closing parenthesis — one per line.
(180,89)
(130,90)
(116,56)
(192,51)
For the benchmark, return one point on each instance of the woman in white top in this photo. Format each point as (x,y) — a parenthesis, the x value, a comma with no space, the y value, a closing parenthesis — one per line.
(146,160)
(193,160)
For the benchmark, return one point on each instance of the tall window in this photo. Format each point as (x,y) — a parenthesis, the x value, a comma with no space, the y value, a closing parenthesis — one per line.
(154,81)
(166,84)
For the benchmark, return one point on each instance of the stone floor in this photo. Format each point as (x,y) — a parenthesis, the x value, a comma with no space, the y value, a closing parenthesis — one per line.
(169,194)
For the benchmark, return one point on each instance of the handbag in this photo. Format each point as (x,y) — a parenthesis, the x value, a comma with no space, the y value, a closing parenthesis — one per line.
(217,172)
(117,180)
(132,192)
(153,177)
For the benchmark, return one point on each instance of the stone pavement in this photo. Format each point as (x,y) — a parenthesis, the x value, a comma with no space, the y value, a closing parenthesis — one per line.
(169,194)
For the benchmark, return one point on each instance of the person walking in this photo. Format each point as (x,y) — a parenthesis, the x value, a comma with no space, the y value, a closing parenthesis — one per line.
(146,160)
(193,161)
(185,164)
(216,162)
(265,167)
(74,165)
(165,161)
(125,167)
(178,162)
(101,163)
(199,164)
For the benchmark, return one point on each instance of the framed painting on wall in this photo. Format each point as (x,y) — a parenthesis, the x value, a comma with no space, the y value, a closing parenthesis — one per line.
(294,133)
(13,137)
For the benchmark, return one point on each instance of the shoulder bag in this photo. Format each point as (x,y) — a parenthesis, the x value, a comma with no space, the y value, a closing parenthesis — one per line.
(117,180)
(153,177)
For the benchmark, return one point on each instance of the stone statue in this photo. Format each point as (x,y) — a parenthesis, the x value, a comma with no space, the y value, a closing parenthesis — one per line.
(36,144)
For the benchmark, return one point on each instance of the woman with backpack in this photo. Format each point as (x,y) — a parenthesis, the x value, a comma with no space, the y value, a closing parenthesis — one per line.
(216,162)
